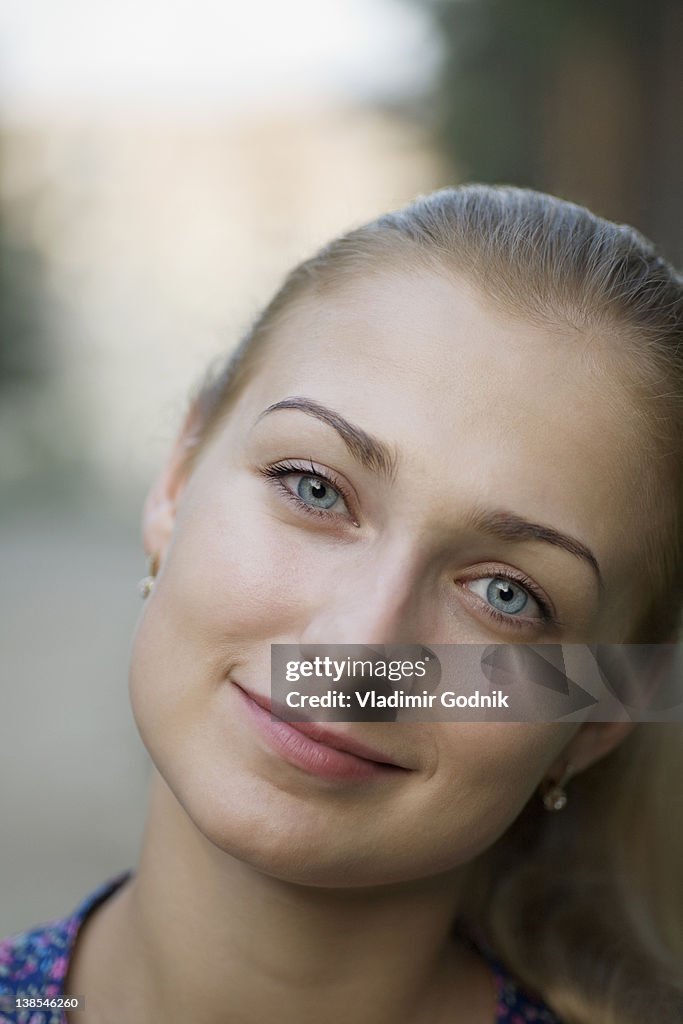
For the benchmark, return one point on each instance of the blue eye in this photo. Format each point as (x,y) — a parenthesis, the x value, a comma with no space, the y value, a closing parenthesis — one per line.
(311,491)
(317,491)
(505,598)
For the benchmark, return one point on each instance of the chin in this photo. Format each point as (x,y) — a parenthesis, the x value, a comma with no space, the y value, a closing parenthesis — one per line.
(302,849)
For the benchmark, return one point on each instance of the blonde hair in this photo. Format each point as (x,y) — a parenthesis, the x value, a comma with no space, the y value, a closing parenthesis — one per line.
(585,906)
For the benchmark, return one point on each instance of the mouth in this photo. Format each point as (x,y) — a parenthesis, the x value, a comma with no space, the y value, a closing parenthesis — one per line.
(316,748)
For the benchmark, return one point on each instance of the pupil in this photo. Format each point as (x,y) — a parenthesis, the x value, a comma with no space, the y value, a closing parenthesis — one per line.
(503,594)
(312,490)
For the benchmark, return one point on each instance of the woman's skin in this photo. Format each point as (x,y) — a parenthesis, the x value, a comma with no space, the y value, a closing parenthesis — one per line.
(266,893)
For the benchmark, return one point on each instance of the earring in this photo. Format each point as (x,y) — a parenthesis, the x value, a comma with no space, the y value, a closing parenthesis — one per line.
(147,582)
(554,795)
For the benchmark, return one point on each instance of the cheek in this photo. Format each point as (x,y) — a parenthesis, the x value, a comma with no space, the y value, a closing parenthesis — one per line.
(486,774)
(228,574)
(231,583)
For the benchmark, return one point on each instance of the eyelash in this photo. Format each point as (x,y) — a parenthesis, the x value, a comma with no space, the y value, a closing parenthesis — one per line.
(547,616)
(281,469)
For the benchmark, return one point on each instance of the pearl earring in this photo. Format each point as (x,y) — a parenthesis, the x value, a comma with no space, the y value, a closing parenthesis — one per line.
(147,582)
(554,795)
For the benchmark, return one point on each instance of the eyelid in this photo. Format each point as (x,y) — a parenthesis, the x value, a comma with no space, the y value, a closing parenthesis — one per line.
(548,614)
(296,467)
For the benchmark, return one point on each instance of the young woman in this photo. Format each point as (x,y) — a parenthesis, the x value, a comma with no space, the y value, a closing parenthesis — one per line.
(460,423)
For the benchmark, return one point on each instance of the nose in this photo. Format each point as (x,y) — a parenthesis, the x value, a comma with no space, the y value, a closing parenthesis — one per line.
(374,610)
(373,601)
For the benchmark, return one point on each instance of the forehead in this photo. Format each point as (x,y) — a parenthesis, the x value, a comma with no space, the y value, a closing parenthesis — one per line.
(473,402)
(439,338)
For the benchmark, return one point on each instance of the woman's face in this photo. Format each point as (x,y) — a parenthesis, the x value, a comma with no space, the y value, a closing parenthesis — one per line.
(412,525)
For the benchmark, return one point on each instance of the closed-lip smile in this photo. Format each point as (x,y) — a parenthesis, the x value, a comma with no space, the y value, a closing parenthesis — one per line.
(315,747)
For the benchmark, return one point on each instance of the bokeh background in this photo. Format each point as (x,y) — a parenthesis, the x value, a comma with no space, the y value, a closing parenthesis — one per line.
(161,166)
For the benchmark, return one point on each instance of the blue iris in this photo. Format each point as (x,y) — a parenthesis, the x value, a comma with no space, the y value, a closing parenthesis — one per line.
(505,596)
(313,490)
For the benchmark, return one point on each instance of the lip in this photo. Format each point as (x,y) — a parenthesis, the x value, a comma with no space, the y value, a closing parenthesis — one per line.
(315,748)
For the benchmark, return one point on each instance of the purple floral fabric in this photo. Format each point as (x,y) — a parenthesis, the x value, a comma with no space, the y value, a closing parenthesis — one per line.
(34,963)
(515,1006)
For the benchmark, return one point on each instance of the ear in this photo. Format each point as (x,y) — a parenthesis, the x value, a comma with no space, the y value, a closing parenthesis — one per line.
(159,510)
(593,741)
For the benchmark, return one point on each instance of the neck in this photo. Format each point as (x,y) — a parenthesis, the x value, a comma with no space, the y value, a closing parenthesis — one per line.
(199,935)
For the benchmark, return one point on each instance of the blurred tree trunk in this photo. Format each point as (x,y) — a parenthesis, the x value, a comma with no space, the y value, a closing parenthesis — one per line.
(574,97)
(613,138)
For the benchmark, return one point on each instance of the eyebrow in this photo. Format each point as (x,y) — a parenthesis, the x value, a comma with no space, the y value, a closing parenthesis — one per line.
(509,526)
(375,455)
